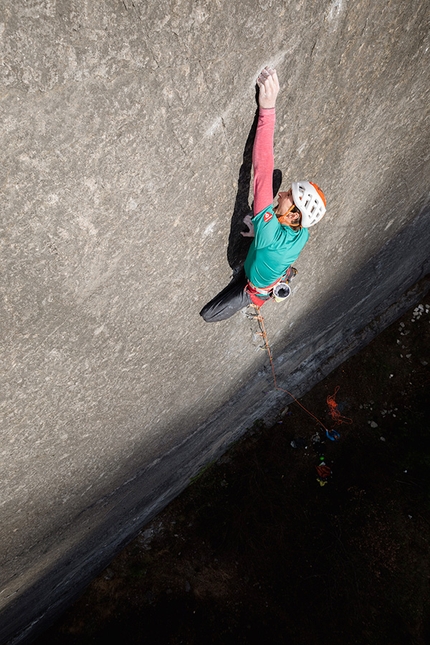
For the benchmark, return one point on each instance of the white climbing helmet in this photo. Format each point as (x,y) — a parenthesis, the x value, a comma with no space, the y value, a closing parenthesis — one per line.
(310,200)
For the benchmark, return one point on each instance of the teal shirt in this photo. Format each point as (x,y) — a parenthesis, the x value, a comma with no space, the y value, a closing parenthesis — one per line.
(274,248)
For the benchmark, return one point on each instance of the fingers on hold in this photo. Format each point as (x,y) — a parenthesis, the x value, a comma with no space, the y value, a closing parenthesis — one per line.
(268,73)
(263,82)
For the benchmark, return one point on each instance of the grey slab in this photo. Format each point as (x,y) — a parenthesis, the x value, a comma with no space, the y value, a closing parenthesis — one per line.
(124,175)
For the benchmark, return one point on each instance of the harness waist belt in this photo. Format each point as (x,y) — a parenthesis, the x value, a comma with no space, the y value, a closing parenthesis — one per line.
(265,291)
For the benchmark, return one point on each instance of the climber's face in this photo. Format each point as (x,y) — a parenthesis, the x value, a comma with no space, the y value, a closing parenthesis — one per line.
(285,201)
(286,212)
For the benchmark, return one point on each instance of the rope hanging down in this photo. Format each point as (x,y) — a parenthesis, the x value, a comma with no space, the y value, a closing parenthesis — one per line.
(334,412)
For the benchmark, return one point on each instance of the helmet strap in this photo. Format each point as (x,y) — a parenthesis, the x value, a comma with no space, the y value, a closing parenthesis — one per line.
(297,225)
(290,209)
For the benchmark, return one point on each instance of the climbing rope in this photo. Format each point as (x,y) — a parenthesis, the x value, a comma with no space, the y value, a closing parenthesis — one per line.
(337,417)
(263,334)
(323,471)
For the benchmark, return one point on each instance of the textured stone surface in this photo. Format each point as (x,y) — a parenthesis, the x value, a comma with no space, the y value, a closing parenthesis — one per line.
(123,131)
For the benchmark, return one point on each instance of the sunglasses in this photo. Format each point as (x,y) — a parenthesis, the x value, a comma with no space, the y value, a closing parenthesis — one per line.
(293,209)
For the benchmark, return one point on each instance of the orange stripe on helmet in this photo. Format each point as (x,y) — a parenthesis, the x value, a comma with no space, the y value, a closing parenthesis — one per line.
(319,191)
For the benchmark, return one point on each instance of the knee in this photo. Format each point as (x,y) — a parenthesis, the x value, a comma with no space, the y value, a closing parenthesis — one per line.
(204,316)
(207,314)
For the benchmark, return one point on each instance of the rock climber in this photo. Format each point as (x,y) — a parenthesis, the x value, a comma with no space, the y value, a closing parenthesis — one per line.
(279,232)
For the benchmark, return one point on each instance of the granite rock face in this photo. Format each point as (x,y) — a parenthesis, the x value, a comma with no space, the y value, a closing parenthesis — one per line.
(126,129)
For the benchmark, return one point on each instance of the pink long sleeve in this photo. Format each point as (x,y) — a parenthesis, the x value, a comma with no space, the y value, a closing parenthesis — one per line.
(262,159)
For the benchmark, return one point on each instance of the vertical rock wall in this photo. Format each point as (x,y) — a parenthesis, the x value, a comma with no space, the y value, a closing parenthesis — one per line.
(124,176)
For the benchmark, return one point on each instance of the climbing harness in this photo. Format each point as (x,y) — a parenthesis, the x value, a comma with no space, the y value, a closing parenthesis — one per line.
(279,290)
(258,296)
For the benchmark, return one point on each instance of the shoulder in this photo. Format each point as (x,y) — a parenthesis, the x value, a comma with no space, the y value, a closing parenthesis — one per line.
(264,216)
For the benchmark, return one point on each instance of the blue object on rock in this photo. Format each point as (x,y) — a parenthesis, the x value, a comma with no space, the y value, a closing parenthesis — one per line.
(333,435)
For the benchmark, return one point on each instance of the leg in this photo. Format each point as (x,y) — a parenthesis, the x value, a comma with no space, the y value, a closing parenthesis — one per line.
(228,302)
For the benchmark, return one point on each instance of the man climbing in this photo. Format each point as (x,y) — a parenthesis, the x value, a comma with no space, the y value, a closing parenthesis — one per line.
(280,232)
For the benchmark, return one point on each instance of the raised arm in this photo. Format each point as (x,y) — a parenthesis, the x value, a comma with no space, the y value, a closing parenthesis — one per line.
(262,154)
